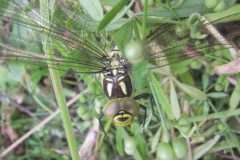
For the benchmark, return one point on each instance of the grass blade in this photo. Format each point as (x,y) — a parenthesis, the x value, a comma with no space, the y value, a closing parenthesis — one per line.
(93,8)
(56,82)
(110,15)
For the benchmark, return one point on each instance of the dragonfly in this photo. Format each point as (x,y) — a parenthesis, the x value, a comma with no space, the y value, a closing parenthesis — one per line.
(81,55)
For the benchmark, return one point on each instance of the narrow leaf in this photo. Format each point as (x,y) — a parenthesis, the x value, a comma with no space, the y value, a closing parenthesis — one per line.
(235,97)
(111,14)
(234,10)
(204,148)
(158,92)
(155,140)
(174,101)
(191,91)
(235,139)
(119,142)
(217,95)
(93,8)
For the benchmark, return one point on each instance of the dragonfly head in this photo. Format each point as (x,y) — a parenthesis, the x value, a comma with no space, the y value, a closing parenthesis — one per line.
(121,110)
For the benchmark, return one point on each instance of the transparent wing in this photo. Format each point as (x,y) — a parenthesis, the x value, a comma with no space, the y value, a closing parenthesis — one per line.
(166,48)
(60,63)
(73,48)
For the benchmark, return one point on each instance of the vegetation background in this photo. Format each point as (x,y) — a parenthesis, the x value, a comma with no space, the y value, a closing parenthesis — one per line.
(192,102)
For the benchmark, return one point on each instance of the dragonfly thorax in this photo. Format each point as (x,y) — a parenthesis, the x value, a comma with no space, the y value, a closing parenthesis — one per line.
(116,82)
(117,86)
(115,65)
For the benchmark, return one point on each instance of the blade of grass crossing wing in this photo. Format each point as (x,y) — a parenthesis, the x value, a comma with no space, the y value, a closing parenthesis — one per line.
(58,89)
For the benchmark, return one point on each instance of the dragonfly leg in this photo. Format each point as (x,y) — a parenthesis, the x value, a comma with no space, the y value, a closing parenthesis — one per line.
(100,122)
(145,115)
(147,95)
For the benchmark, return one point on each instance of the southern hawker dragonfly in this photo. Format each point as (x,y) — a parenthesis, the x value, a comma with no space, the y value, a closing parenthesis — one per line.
(76,51)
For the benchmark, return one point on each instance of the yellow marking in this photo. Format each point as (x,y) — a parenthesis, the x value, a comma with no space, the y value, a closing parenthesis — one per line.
(121,71)
(109,89)
(109,79)
(102,77)
(120,78)
(114,62)
(123,87)
(114,71)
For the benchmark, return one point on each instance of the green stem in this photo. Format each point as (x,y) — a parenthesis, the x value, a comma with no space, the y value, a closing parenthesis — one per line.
(56,82)
(144,18)
(225,114)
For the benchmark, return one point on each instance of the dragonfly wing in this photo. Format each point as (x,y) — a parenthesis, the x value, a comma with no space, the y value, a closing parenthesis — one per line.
(11,54)
(71,47)
(166,48)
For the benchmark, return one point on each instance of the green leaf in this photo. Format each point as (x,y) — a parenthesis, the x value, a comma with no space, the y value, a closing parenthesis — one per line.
(109,2)
(16,72)
(121,38)
(235,97)
(119,140)
(141,147)
(191,91)
(201,150)
(116,24)
(221,16)
(184,8)
(217,115)
(205,81)
(174,101)
(235,139)
(140,72)
(156,139)
(93,8)
(186,77)
(111,14)
(160,96)
(217,95)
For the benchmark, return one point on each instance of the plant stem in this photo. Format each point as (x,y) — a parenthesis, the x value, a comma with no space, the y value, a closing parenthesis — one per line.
(56,82)
(144,18)
(225,114)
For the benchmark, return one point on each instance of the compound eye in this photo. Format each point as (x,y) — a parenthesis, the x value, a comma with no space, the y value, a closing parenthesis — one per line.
(122,119)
